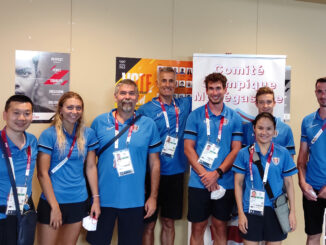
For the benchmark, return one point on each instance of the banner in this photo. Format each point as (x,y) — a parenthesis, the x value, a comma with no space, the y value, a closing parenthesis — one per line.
(245,75)
(44,77)
(144,73)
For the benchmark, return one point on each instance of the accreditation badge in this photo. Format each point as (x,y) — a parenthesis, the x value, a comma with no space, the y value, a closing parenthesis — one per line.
(256,202)
(209,154)
(123,162)
(22,199)
(169,147)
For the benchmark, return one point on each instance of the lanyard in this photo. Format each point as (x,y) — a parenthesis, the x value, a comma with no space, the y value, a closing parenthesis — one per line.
(60,164)
(166,116)
(116,132)
(252,150)
(318,134)
(29,156)
(219,136)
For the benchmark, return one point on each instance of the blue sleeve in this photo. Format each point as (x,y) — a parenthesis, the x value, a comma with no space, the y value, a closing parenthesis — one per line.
(239,164)
(290,144)
(47,141)
(289,167)
(303,131)
(191,130)
(155,142)
(237,128)
(92,141)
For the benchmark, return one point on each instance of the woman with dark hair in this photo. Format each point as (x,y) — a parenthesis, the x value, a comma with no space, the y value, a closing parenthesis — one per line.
(63,149)
(257,218)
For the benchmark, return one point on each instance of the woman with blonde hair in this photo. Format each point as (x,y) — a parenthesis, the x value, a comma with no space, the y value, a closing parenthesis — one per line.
(63,149)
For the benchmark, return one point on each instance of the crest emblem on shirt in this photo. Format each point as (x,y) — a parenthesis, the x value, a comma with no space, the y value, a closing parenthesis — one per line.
(276,160)
(276,134)
(136,127)
(226,121)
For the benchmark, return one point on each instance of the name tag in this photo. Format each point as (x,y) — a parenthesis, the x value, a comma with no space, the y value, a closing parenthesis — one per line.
(209,154)
(22,199)
(256,202)
(123,162)
(169,147)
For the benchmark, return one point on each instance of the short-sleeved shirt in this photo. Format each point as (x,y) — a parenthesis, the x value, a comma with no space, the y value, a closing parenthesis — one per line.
(127,191)
(283,137)
(281,165)
(153,109)
(231,131)
(68,182)
(316,165)
(19,157)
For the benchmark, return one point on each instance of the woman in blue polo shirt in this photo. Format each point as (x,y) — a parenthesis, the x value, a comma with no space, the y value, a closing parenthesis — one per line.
(63,149)
(257,218)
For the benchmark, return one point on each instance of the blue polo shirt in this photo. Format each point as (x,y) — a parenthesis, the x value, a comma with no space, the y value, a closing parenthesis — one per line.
(196,130)
(126,191)
(283,137)
(153,109)
(281,165)
(316,165)
(19,157)
(68,182)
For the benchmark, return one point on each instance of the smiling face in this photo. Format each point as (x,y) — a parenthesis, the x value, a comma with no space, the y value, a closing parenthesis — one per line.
(321,94)
(126,98)
(18,116)
(215,92)
(264,130)
(166,84)
(71,111)
(265,103)
(25,77)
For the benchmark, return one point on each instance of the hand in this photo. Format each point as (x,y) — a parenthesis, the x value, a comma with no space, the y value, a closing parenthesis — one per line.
(55,217)
(208,178)
(243,223)
(213,187)
(293,221)
(307,191)
(322,192)
(95,209)
(150,207)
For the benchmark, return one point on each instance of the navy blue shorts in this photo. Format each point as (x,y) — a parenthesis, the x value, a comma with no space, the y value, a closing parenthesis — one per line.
(71,212)
(8,230)
(130,226)
(201,206)
(264,228)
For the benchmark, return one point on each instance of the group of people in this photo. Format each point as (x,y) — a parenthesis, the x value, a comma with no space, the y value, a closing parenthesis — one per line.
(135,164)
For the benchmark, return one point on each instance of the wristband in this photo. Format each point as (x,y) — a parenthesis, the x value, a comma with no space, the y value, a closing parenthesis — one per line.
(219,171)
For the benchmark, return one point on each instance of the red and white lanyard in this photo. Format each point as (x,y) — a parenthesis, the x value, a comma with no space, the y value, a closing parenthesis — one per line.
(219,136)
(167,123)
(60,164)
(318,134)
(29,156)
(252,150)
(116,132)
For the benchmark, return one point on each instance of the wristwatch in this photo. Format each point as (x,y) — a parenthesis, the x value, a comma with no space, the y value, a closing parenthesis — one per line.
(220,172)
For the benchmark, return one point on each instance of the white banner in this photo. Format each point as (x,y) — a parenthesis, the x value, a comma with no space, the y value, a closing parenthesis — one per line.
(245,75)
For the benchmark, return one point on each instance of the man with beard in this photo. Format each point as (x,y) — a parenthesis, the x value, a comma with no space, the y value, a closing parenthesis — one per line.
(213,137)
(122,168)
(312,166)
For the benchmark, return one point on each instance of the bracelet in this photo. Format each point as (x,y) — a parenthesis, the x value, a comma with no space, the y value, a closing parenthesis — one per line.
(219,171)
(96,196)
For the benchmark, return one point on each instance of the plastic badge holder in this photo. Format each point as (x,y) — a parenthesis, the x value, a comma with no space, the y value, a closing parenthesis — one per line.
(90,223)
(217,194)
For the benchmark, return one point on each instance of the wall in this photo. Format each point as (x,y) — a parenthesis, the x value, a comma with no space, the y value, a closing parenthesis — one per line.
(96,31)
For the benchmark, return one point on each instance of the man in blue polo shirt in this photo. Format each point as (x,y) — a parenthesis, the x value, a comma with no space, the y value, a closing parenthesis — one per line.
(18,116)
(170,116)
(122,168)
(265,102)
(312,166)
(213,137)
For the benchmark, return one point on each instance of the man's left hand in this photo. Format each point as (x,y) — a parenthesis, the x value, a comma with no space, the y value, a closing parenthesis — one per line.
(150,207)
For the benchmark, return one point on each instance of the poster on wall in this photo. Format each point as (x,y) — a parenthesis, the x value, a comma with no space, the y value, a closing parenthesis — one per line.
(44,77)
(245,74)
(144,73)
